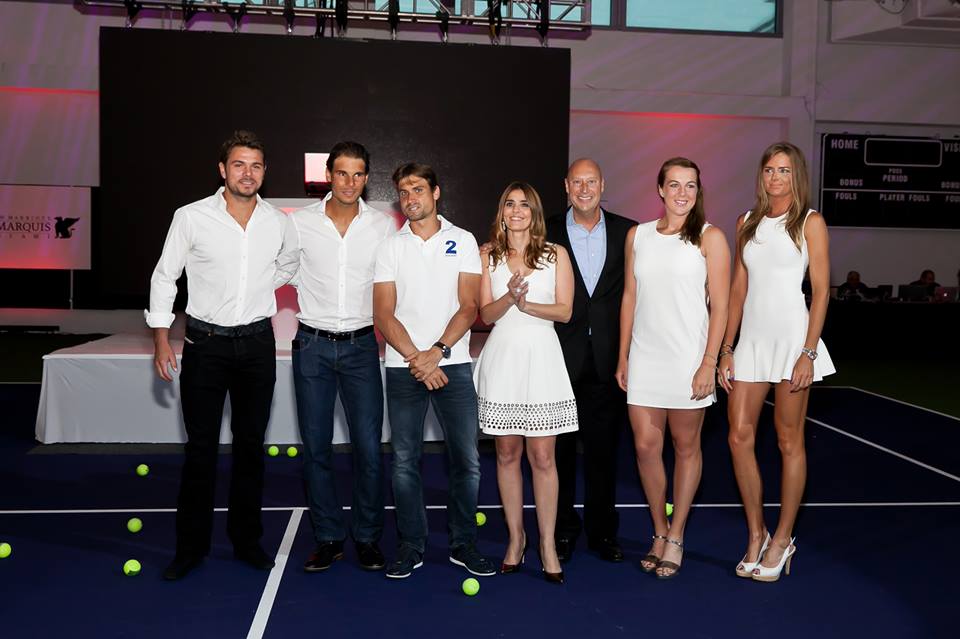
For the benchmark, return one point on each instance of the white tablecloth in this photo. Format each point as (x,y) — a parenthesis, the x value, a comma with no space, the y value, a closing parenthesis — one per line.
(107,391)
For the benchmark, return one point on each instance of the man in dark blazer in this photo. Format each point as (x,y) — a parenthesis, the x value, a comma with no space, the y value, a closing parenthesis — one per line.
(595,239)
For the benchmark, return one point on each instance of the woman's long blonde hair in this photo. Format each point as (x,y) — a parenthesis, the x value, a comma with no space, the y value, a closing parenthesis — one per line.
(537,251)
(799,188)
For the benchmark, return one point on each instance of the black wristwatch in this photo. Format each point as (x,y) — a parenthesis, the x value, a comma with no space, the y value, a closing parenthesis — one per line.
(443,349)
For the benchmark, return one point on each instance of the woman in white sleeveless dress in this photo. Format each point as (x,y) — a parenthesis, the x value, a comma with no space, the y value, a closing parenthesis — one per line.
(523,390)
(672,319)
(779,344)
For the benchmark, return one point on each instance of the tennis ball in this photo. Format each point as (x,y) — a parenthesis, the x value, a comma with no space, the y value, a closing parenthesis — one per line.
(5,550)
(481,519)
(669,509)
(134,524)
(131,568)
(273,451)
(292,451)
(143,470)
(470,586)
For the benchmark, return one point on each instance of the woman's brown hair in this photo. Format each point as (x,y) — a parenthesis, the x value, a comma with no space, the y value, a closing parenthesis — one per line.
(800,190)
(537,251)
(697,217)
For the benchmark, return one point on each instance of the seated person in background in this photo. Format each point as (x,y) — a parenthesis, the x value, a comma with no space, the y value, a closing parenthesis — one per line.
(853,288)
(927,279)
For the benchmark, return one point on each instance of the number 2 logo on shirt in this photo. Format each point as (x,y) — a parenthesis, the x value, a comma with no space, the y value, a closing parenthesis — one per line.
(451,248)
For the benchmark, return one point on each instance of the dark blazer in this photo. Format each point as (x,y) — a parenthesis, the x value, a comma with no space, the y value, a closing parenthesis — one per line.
(600,313)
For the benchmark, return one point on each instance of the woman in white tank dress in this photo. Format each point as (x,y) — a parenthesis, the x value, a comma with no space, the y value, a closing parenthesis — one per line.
(672,319)
(523,390)
(779,344)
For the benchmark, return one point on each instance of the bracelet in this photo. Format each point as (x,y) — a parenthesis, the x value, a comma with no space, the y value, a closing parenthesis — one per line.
(710,356)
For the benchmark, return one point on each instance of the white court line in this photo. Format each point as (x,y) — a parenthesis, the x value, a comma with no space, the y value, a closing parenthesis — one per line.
(838,504)
(879,447)
(929,410)
(276,574)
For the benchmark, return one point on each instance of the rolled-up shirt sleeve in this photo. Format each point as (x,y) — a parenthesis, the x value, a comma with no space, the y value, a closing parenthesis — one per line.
(288,261)
(163,282)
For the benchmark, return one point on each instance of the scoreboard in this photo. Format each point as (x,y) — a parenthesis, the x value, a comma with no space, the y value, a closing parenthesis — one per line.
(881,181)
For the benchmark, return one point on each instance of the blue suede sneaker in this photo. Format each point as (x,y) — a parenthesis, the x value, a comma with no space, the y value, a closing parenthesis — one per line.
(406,562)
(471,559)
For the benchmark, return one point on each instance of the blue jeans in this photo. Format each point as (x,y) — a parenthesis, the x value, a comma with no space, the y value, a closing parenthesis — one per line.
(321,369)
(456,408)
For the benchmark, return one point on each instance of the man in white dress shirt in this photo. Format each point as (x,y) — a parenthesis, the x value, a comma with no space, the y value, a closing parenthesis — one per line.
(425,295)
(335,243)
(229,244)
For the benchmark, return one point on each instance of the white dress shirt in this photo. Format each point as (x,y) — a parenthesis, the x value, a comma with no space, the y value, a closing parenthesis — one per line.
(427,276)
(231,271)
(335,277)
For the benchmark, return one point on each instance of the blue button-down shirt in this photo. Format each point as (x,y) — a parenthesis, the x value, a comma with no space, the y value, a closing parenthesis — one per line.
(589,249)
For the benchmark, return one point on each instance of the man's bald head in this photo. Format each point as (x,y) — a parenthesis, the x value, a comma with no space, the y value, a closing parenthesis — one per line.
(584,165)
(584,186)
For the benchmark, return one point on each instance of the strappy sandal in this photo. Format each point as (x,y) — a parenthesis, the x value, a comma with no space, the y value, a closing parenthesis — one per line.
(669,565)
(650,558)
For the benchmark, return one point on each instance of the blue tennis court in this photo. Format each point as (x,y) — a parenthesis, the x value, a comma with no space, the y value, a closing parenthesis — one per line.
(874,539)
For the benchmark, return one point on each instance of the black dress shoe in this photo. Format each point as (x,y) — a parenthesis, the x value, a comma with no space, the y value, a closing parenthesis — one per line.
(254,556)
(565,548)
(369,555)
(324,555)
(181,565)
(608,549)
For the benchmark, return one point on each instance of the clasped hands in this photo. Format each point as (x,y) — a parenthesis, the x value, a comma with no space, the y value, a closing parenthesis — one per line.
(425,367)
(517,289)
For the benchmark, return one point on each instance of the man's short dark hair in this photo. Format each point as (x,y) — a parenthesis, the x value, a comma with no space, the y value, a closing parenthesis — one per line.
(351,150)
(416,169)
(246,139)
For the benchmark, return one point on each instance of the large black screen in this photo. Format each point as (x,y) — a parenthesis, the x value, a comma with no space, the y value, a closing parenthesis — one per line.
(480,115)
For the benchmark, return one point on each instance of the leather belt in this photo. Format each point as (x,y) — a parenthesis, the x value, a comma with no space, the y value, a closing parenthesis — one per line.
(230,331)
(335,337)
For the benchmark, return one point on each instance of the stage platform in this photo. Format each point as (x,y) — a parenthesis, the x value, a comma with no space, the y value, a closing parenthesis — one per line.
(107,391)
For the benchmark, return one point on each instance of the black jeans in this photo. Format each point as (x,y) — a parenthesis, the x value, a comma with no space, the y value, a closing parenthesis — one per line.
(601,412)
(211,367)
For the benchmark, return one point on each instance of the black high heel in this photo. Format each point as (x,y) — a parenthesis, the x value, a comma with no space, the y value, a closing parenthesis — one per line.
(506,569)
(551,577)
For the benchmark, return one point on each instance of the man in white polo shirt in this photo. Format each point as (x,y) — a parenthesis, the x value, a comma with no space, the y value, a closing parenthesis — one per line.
(229,245)
(425,296)
(335,243)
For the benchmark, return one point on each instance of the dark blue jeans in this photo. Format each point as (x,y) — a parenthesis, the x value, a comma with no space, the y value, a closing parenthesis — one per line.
(323,368)
(456,408)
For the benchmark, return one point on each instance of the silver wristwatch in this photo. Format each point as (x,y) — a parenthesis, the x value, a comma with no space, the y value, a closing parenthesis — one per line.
(809,352)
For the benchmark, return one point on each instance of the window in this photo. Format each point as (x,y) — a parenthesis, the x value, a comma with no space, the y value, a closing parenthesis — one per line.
(726,16)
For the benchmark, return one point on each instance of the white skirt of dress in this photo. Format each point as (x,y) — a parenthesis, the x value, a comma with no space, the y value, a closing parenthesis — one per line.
(522,383)
(772,360)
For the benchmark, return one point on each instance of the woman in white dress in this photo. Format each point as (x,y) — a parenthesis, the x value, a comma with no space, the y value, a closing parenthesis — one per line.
(779,344)
(523,390)
(672,319)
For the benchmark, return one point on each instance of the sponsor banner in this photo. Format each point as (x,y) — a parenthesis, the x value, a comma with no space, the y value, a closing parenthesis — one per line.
(44,227)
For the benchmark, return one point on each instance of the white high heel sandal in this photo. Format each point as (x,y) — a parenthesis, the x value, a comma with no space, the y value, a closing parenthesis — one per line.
(762,573)
(745,568)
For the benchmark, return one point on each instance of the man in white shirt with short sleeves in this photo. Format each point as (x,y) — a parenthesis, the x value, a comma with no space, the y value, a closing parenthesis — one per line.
(335,244)
(425,296)
(229,244)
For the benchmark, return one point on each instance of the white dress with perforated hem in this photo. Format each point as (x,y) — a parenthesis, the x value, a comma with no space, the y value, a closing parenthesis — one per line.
(775,316)
(522,382)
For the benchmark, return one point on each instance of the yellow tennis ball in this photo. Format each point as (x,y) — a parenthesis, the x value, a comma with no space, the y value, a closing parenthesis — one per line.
(292,451)
(5,550)
(273,451)
(143,470)
(470,586)
(131,568)
(669,509)
(481,519)
(134,524)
